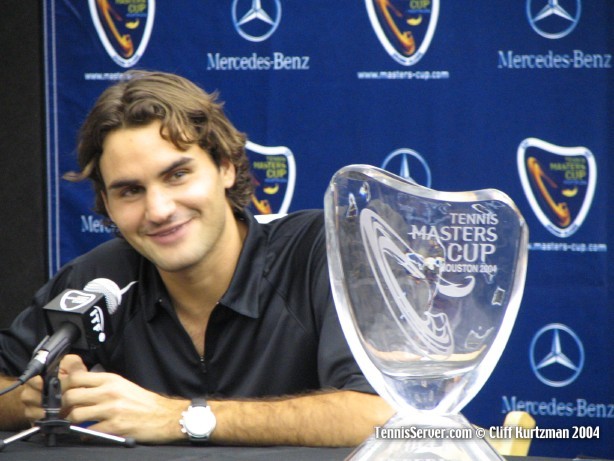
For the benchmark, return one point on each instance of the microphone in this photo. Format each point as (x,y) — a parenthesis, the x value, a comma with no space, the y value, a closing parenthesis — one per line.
(78,319)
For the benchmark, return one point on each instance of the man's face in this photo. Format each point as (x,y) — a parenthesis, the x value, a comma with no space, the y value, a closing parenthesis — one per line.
(170,205)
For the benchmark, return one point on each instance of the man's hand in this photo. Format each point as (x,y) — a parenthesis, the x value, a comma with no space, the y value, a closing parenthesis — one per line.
(32,393)
(116,405)
(120,407)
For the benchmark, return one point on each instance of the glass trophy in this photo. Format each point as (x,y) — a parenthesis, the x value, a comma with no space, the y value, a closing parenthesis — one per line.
(427,286)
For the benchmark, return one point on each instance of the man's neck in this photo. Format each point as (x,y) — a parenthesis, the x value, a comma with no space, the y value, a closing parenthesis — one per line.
(196,290)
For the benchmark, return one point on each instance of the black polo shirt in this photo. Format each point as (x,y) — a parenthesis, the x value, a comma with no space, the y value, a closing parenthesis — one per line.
(274,332)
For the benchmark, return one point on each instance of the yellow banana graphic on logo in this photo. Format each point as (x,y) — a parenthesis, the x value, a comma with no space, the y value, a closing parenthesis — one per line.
(537,174)
(124,41)
(406,39)
(415,21)
(270,190)
(133,24)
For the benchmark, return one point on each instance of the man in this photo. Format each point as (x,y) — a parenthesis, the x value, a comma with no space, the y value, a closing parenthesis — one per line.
(215,306)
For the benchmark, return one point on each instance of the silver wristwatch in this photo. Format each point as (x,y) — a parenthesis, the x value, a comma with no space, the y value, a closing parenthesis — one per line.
(198,421)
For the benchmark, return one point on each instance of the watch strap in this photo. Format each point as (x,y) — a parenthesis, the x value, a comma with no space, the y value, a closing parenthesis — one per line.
(199,402)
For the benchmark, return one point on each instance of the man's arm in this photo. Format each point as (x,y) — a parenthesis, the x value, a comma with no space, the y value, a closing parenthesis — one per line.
(334,418)
(12,410)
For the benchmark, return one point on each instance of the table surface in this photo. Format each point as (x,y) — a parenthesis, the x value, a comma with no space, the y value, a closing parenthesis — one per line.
(70,447)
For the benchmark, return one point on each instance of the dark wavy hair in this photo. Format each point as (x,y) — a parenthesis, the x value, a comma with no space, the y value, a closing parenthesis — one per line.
(188,116)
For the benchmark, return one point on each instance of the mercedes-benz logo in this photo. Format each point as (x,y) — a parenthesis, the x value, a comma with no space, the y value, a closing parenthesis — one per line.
(254,22)
(557,355)
(554,20)
(401,162)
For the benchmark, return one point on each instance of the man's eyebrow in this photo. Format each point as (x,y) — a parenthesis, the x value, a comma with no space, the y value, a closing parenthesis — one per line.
(121,183)
(176,164)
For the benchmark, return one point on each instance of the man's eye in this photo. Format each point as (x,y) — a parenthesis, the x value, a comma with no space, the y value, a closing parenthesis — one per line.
(130,191)
(179,174)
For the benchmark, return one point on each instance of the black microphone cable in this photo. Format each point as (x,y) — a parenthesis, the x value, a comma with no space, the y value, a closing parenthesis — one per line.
(10,388)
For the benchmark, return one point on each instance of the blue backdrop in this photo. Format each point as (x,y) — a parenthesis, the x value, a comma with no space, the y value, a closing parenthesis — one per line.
(460,95)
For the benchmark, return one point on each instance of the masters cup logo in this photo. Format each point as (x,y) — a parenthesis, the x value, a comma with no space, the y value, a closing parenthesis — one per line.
(559,183)
(404,28)
(124,27)
(274,174)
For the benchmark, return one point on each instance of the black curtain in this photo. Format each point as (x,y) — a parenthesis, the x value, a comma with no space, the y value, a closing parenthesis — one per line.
(22,157)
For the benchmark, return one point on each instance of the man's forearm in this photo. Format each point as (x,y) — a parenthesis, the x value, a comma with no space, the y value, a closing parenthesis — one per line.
(12,411)
(337,418)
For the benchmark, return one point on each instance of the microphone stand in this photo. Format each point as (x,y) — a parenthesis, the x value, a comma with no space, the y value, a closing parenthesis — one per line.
(52,425)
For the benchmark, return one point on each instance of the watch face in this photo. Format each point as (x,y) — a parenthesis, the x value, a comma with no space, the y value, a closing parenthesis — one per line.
(199,421)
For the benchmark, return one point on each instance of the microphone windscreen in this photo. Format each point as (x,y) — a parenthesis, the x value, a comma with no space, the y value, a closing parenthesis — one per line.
(107,288)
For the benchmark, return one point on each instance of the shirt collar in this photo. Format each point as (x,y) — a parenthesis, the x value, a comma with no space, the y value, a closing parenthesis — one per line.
(242,295)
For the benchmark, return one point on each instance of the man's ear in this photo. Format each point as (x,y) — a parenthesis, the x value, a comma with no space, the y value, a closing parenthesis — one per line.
(228,173)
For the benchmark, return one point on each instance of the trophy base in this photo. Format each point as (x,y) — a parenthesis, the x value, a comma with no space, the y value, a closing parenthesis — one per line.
(426,437)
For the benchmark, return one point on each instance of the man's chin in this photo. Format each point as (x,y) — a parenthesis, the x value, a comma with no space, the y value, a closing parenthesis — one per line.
(173,262)
(173,266)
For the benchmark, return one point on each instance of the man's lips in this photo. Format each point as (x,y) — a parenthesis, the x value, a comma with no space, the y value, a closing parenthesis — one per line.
(168,232)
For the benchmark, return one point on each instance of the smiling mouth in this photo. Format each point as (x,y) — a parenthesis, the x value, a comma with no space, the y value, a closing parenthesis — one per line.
(167,232)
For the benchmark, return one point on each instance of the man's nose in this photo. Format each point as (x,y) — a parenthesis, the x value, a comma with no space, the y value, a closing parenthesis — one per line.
(160,205)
